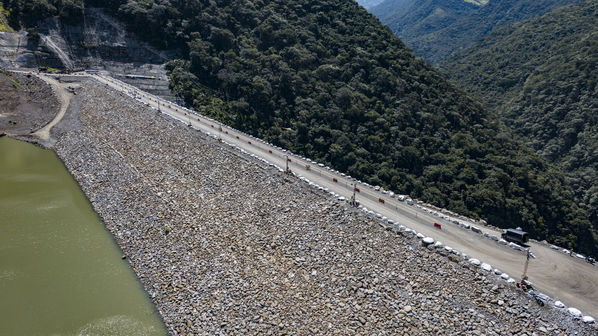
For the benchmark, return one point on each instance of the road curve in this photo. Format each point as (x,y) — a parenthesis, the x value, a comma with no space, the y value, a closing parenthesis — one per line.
(63,97)
(562,277)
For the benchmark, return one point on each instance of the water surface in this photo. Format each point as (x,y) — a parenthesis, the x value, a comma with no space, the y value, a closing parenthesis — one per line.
(61,272)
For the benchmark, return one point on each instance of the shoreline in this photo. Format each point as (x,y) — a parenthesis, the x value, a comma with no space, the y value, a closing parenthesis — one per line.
(35,139)
(32,141)
(130,280)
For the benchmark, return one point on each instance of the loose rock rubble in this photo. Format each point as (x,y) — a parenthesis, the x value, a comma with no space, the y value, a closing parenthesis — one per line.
(224,244)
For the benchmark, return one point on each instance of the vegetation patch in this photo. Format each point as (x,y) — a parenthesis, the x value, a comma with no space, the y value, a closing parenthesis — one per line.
(46,69)
(15,83)
(4,13)
(3,10)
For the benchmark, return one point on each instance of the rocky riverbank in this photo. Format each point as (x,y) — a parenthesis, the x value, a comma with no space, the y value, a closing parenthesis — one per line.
(225,244)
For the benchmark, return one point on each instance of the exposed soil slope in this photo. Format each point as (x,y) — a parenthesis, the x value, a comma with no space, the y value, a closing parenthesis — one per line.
(26,103)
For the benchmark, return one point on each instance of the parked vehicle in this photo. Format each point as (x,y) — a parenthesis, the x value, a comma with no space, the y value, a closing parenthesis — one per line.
(517,236)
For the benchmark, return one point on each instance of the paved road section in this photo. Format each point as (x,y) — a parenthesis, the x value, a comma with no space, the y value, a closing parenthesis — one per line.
(562,277)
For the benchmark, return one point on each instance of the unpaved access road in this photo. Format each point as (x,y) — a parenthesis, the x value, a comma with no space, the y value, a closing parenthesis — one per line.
(562,277)
(64,98)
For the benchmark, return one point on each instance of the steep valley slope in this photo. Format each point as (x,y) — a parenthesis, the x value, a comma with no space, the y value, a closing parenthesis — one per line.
(541,77)
(437,28)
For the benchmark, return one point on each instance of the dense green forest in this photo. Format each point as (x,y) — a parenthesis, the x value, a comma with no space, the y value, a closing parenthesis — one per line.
(437,28)
(327,80)
(29,13)
(541,76)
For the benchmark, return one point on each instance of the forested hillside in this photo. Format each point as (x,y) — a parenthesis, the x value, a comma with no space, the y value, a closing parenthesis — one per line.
(327,80)
(541,76)
(437,28)
(28,13)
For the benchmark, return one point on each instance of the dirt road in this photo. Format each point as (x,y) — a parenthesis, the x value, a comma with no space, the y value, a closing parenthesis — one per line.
(64,98)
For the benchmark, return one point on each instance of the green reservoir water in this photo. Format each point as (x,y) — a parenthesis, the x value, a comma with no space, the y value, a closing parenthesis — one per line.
(61,272)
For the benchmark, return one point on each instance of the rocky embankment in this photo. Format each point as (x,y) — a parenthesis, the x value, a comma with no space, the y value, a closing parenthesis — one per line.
(224,244)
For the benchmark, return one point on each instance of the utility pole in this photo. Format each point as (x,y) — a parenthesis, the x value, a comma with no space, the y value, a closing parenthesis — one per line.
(524,276)
(288,170)
(354,202)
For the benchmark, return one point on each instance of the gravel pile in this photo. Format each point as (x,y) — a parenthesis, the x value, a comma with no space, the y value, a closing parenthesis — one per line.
(224,244)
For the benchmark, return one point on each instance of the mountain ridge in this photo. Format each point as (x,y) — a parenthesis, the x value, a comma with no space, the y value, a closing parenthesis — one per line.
(436,29)
(539,75)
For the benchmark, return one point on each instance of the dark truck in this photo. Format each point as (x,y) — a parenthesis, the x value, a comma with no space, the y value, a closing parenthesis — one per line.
(516,236)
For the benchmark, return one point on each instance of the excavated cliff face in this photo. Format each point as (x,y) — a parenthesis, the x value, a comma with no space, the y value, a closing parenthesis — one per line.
(100,43)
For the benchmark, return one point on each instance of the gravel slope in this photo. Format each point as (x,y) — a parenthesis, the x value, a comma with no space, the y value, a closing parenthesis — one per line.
(223,244)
